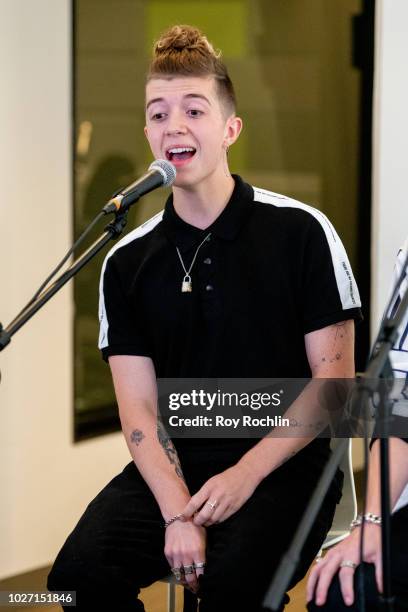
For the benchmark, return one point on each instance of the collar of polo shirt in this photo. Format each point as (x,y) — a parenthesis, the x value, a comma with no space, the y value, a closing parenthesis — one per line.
(226,226)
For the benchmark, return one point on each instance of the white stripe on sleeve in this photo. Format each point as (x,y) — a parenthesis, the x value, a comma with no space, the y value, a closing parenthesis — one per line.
(142,230)
(346,284)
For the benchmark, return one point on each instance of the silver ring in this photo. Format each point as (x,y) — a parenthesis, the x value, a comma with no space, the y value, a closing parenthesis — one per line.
(213,504)
(348,563)
(199,565)
(176,572)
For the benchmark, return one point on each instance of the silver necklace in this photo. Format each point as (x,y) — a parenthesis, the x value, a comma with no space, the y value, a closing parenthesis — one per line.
(186,285)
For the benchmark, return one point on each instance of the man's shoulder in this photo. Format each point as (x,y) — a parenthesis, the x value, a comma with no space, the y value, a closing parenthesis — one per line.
(287,206)
(136,240)
(292,213)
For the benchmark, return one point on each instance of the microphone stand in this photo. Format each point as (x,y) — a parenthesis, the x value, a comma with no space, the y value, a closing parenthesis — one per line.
(378,365)
(290,560)
(112,231)
(371,383)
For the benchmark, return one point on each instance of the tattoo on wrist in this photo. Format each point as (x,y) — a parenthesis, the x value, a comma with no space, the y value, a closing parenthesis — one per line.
(137,436)
(168,448)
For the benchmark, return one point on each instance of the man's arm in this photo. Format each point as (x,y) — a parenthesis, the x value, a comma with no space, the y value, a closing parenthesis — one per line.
(152,450)
(330,353)
(156,458)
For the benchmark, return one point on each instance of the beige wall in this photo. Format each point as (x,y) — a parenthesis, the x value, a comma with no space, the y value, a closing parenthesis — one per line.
(45,480)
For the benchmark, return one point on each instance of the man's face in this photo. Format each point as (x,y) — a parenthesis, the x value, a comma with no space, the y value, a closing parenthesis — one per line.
(186,124)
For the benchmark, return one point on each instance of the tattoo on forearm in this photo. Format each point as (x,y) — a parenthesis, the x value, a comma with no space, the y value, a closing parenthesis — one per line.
(169,449)
(137,436)
(337,357)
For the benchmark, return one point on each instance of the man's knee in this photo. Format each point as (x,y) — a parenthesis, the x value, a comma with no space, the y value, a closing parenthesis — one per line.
(94,588)
(76,565)
(67,573)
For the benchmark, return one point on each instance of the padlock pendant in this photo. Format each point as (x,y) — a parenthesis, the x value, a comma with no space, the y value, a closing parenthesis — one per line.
(186,285)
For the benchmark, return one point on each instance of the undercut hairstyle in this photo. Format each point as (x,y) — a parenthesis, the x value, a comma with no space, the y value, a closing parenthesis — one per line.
(183,50)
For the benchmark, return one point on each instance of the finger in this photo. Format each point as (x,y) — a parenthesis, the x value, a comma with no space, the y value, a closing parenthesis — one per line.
(201,568)
(191,582)
(206,513)
(218,515)
(326,575)
(346,577)
(204,516)
(379,574)
(229,511)
(190,576)
(177,563)
(195,503)
(312,581)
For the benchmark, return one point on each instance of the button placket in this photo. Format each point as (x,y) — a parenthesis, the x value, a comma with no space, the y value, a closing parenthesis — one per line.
(207,271)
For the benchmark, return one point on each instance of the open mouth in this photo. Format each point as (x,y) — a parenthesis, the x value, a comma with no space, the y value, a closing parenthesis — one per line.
(180,153)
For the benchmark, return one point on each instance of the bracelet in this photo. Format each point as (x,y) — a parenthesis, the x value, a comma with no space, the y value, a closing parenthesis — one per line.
(178,517)
(369,518)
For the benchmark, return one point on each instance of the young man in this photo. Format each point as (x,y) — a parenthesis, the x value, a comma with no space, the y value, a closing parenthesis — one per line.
(230,281)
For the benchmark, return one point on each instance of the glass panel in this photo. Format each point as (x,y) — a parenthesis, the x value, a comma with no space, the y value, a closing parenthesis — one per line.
(291,63)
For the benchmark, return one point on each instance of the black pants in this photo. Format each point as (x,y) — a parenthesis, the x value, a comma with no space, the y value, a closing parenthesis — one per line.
(399,576)
(117,546)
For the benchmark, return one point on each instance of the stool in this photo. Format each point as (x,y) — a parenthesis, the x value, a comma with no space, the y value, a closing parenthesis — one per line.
(190,600)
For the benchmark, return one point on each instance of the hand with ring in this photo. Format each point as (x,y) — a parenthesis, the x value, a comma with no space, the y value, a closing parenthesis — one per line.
(344,559)
(184,549)
(177,572)
(221,496)
(187,570)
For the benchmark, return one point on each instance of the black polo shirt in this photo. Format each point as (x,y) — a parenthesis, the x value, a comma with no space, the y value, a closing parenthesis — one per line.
(272,270)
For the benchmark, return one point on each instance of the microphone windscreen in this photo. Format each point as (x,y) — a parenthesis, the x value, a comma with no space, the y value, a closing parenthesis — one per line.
(166,169)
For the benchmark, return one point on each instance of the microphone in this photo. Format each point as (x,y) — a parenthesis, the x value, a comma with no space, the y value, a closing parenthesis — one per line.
(161,173)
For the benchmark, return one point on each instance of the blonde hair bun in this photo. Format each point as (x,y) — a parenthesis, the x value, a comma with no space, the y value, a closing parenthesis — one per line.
(184,37)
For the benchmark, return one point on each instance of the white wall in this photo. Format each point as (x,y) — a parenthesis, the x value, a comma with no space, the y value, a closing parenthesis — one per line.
(45,480)
(390,159)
